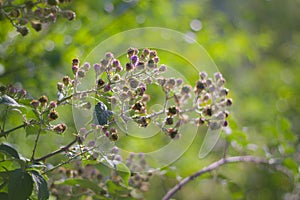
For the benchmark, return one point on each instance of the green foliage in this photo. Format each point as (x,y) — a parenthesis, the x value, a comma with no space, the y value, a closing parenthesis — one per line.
(20,185)
(256,49)
(41,185)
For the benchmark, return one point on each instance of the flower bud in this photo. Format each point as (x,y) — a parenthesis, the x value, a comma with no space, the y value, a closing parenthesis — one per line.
(109,56)
(43,100)
(151,64)
(115,150)
(66,80)
(81,73)
(153,54)
(53,115)
(107,88)
(116,77)
(203,75)
(34,103)
(60,86)
(163,68)
(200,86)
(186,89)
(172,132)
(228,102)
(129,66)
(201,121)
(86,66)
(146,52)
(52,104)
(218,75)
(169,121)
(156,59)
(116,63)
(172,111)
(75,61)
(145,98)
(130,52)
(113,135)
(208,111)
(138,106)
(69,14)
(134,60)
(140,90)
(22,93)
(75,69)
(225,123)
(224,92)
(23,30)
(133,83)
(37,26)
(60,128)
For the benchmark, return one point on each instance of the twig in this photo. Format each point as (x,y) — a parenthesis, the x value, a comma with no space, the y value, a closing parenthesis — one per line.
(37,137)
(67,161)
(213,166)
(5,133)
(61,149)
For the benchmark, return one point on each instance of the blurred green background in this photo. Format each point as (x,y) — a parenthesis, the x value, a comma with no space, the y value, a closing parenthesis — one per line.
(255,45)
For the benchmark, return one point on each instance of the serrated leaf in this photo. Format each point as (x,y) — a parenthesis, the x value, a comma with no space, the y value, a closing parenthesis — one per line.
(20,185)
(41,185)
(123,172)
(8,150)
(82,183)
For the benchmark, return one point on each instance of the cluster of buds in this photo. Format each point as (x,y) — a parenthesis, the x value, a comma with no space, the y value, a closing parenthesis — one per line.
(77,171)
(139,182)
(13,92)
(111,133)
(43,107)
(126,89)
(212,101)
(34,13)
(140,172)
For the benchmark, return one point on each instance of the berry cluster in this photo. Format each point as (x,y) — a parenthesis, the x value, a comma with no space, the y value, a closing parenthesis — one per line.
(36,13)
(125,88)
(138,183)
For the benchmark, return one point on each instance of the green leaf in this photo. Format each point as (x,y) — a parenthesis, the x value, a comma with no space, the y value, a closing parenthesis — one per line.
(3,196)
(115,189)
(20,185)
(41,185)
(10,165)
(8,150)
(123,172)
(82,183)
(291,164)
(235,190)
